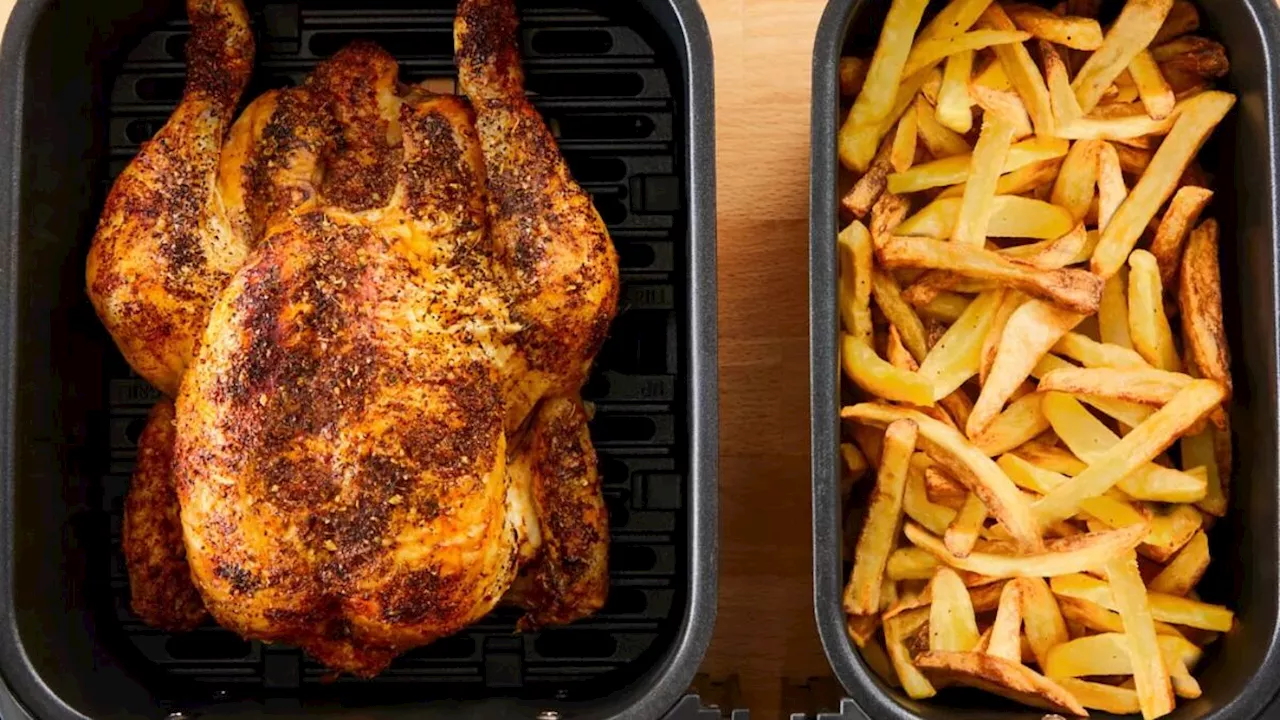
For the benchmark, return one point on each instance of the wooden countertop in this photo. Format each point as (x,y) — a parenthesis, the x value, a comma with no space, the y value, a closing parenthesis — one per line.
(765,634)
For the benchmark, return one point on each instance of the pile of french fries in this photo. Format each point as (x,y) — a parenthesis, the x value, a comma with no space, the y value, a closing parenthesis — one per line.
(1025,242)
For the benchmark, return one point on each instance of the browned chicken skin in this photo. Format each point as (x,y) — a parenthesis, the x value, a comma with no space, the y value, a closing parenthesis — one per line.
(381,436)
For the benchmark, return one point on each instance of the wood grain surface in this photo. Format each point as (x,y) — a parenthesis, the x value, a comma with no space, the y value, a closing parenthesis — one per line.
(765,647)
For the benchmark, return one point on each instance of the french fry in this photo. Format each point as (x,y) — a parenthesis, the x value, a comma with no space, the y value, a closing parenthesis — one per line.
(945,307)
(867,190)
(1094,354)
(855,463)
(1022,71)
(1020,422)
(875,102)
(1011,301)
(1148,325)
(911,563)
(886,215)
(1108,466)
(1165,608)
(1011,216)
(967,463)
(1198,450)
(1196,119)
(955,169)
(940,140)
(873,374)
(900,314)
(1129,414)
(1092,616)
(1069,31)
(877,658)
(1099,696)
(927,53)
(963,531)
(951,622)
(1041,616)
(942,489)
(1200,299)
(862,628)
(1062,556)
(1133,31)
(1144,385)
(1113,312)
(853,72)
(954,359)
(1111,187)
(1073,289)
(913,681)
(916,503)
(902,149)
(954,104)
(1182,215)
(1007,678)
(862,596)
(1073,190)
(1194,55)
(1004,105)
(992,75)
(1183,572)
(1033,328)
(1157,97)
(1172,527)
(1183,18)
(957,17)
(857,259)
(1150,675)
(1005,640)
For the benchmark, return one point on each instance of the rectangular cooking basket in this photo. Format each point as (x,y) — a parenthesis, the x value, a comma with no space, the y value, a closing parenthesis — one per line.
(627,88)
(1241,672)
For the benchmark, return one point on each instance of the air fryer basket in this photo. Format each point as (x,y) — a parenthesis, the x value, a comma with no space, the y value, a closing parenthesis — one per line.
(626,87)
(1241,672)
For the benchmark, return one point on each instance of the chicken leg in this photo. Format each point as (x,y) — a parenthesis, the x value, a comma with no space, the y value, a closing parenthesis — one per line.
(164,247)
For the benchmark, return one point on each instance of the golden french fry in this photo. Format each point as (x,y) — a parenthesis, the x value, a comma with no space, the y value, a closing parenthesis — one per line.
(954,104)
(1129,414)
(1042,619)
(1183,213)
(1073,190)
(1113,311)
(991,343)
(1075,290)
(911,563)
(1092,616)
(1024,74)
(927,53)
(939,139)
(1157,97)
(962,534)
(867,190)
(1200,300)
(1183,17)
(1007,678)
(879,90)
(992,75)
(900,314)
(1148,325)
(902,150)
(1172,527)
(886,215)
(896,629)
(955,170)
(1079,33)
(857,260)
(1196,119)
(942,489)
(1062,556)
(1011,216)
(1144,385)
(1033,328)
(951,622)
(1020,422)
(853,72)
(1150,675)
(957,17)
(1098,696)
(1005,641)
(1133,30)
(1165,608)
(1183,572)
(954,359)
(1111,187)
(1110,465)
(875,375)
(1112,509)
(967,463)
(946,307)
(1094,354)
(916,503)
(862,596)
(1005,105)
(1199,450)
(1026,179)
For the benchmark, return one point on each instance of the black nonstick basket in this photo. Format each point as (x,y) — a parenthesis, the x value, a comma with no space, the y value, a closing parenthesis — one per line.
(1240,673)
(626,86)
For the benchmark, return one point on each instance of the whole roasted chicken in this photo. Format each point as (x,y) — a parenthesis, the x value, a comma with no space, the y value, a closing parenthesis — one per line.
(379,434)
